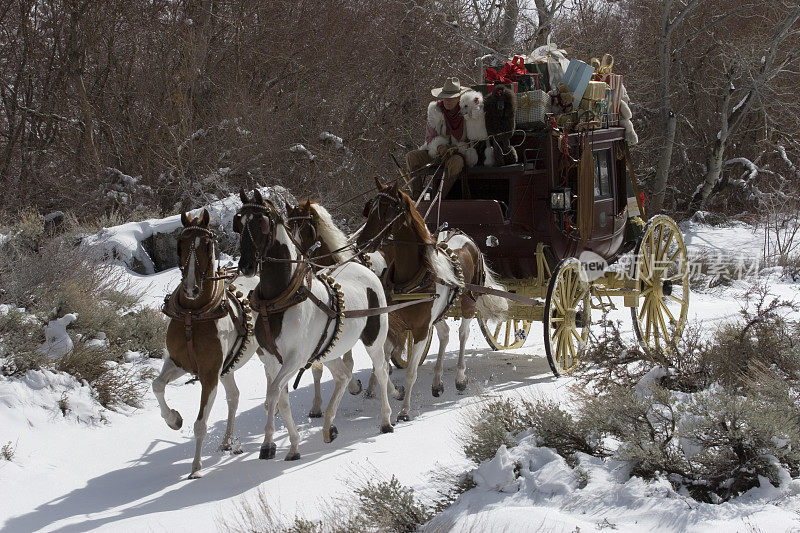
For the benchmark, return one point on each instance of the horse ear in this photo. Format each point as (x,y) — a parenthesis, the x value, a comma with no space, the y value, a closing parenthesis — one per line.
(185,220)
(380,184)
(257,196)
(243,197)
(367,208)
(205,218)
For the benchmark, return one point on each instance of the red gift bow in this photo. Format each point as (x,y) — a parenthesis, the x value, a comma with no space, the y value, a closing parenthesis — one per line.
(509,72)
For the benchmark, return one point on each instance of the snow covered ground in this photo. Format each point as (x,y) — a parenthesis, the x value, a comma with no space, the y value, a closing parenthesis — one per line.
(99,470)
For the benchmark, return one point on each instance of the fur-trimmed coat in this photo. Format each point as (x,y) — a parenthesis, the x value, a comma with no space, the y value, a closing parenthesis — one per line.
(437,123)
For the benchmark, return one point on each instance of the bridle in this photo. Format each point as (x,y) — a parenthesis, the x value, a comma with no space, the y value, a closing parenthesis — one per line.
(380,238)
(269,216)
(206,274)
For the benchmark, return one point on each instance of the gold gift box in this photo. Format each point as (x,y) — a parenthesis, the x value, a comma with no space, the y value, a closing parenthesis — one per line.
(596,90)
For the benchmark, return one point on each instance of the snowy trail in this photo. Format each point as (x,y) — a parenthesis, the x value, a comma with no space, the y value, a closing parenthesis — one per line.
(130,474)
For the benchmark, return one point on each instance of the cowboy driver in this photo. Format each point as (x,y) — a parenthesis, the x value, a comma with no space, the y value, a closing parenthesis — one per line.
(444,131)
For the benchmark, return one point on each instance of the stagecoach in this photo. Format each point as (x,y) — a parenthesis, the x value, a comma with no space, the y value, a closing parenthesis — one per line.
(525,219)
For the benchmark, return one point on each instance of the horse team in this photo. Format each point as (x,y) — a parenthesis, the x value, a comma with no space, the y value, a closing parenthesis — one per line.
(312,296)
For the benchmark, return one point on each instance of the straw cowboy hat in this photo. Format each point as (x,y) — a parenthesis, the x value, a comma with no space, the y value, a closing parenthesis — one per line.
(451,89)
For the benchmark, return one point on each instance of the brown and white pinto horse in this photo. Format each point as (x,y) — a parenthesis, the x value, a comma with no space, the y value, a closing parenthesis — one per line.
(327,245)
(208,326)
(418,264)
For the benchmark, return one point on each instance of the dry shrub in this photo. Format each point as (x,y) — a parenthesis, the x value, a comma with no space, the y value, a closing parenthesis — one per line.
(493,426)
(56,278)
(7,451)
(378,506)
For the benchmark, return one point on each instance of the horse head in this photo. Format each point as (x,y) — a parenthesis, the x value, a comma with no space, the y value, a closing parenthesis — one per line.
(302,222)
(385,213)
(256,222)
(196,253)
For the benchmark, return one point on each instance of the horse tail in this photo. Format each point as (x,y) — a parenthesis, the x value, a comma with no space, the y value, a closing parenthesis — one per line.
(491,307)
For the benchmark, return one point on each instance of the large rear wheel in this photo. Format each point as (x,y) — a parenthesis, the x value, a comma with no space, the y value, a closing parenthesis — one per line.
(401,360)
(662,269)
(567,315)
(505,334)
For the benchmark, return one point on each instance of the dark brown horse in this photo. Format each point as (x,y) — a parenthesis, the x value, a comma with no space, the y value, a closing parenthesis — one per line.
(208,326)
(420,264)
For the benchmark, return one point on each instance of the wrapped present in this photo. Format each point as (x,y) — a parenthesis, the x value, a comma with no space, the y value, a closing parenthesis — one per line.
(602,67)
(555,59)
(577,76)
(532,106)
(526,82)
(596,91)
(540,70)
(509,72)
(615,98)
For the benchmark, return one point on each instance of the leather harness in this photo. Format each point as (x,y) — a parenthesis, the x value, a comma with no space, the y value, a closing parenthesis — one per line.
(222,304)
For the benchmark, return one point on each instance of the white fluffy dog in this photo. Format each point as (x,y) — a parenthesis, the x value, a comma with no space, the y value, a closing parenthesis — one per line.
(475,125)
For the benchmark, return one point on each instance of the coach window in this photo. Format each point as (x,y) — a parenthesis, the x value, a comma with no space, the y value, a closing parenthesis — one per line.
(602,180)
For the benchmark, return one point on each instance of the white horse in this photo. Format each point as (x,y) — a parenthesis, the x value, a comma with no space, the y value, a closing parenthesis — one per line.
(293,327)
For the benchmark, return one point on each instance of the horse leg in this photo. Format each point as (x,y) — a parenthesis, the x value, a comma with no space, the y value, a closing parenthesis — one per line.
(341,377)
(316,407)
(232,397)
(381,374)
(207,396)
(411,372)
(274,388)
(354,386)
(461,371)
(443,330)
(286,413)
(169,372)
(398,393)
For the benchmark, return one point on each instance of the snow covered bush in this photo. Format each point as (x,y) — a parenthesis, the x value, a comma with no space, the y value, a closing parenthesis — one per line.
(714,416)
(492,427)
(64,312)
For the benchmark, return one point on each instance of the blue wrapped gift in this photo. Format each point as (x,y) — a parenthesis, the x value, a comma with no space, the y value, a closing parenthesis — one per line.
(578,76)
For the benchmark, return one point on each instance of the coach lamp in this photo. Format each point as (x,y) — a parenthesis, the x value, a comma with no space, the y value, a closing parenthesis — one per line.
(561,199)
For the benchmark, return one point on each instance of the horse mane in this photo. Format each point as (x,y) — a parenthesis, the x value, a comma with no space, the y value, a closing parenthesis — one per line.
(329,233)
(436,261)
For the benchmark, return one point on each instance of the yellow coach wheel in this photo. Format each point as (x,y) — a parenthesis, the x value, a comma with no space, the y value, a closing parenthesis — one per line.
(401,360)
(505,334)
(567,315)
(661,266)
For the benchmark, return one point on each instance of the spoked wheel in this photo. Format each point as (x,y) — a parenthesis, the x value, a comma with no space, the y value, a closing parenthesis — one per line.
(662,269)
(567,314)
(505,334)
(401,360)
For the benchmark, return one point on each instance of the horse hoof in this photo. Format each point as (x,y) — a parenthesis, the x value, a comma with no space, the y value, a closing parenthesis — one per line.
(369,393)
(177,420)
(360,388)
(403,418)
(333,432)
(195,475)
(388,428)
(401,393)
(267,451)
(461,386)
(315,414)
(293,457)
(437,390)
(225,447)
